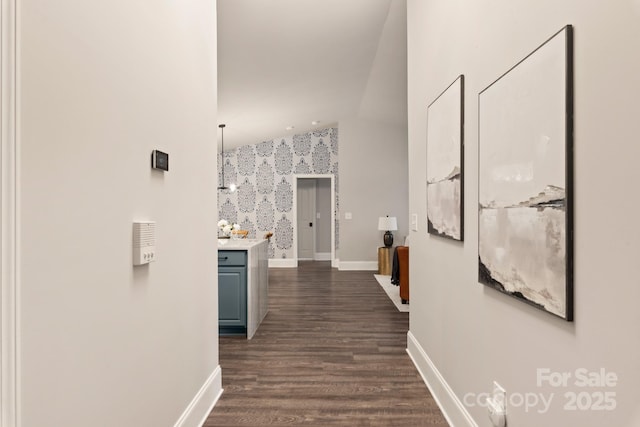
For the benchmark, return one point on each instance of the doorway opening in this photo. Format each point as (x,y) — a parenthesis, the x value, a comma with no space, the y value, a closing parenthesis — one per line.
(314,215)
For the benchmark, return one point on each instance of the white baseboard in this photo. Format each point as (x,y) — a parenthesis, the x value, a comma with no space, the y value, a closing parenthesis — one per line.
(198,410)
(282,263)
(322,256)
(335,263)
(452,408)
(359,265)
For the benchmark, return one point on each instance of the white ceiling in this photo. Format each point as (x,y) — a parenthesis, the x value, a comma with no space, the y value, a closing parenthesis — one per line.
(289,62)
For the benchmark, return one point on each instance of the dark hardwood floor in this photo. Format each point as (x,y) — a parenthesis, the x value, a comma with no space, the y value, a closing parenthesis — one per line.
(331,352)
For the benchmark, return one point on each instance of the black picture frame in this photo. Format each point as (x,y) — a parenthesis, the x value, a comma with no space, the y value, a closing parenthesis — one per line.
(525,183)
(445,162)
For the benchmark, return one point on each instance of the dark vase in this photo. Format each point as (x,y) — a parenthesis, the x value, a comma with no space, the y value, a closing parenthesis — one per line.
(388,239)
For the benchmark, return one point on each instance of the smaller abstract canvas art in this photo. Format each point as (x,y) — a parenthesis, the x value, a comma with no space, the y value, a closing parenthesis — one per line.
(445,142)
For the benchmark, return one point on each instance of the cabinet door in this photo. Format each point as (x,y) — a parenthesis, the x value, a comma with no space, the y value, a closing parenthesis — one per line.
(232,296)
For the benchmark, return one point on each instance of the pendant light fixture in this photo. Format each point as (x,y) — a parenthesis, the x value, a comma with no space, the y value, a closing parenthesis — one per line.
(231,187)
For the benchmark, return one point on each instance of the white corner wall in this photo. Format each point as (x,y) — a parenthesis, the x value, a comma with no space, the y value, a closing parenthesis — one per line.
(373,152)
(373,183)
(463,335)
(100,85)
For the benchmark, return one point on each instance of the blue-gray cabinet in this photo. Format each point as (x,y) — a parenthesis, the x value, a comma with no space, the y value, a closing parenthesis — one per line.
(243,285)
(232,292)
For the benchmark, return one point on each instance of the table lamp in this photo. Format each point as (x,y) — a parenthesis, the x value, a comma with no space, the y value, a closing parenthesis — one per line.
(387,224)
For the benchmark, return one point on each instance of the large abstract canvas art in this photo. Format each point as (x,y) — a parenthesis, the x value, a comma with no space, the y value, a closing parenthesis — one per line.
(445,122)
(525,179)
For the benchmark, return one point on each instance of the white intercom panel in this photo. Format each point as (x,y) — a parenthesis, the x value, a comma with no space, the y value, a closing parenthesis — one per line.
(144,242)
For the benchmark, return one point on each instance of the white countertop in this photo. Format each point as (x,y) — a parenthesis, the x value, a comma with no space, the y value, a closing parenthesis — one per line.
(238,244)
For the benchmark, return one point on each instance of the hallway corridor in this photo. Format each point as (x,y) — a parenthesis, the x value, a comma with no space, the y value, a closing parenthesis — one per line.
(330,352)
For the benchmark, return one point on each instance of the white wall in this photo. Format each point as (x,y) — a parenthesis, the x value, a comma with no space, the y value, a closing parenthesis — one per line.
(373,152)
(473,334)
(385,97)
(373,183)
(102,84)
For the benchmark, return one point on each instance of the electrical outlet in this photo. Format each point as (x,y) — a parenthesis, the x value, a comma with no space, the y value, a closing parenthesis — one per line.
(497,406)
(499,395)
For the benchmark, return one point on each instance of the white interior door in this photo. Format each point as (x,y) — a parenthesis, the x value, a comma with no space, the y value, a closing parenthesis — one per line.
(306,218)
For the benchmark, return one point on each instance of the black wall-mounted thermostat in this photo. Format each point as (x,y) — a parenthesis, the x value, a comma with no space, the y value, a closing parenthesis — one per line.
(160,160)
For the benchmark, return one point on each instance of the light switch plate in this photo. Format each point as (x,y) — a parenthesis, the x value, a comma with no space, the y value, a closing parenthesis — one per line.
(414,222)
(348,215)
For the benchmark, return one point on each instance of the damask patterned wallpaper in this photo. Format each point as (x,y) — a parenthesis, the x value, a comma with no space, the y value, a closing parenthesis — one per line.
(264,173)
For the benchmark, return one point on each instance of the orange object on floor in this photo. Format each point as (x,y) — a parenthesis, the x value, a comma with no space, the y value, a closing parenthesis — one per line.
(403,265)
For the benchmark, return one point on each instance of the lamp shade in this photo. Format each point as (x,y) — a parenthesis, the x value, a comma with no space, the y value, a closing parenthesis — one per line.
(387,223)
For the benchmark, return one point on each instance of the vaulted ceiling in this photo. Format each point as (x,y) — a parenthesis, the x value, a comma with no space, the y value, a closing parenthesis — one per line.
(285,63)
